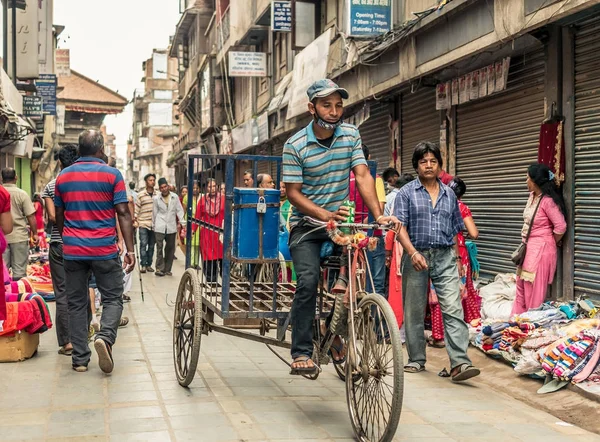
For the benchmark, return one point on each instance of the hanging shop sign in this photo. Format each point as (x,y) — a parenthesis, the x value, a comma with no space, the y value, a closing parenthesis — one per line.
(473,86)
(46,87)
(32,107)
(62,62)
(205,98)
(368,17)
(281,16)
(60,119)
(310,65)
(27,32)
(247,64)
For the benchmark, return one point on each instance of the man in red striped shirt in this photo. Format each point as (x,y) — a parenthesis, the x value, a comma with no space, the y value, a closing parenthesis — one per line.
(87,195)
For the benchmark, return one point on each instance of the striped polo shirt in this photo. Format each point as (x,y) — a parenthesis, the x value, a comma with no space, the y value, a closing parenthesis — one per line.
(324,172)
(88,191)
(49,193)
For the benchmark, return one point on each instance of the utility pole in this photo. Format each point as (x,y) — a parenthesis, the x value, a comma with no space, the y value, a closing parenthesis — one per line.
(14,41)
(5,34)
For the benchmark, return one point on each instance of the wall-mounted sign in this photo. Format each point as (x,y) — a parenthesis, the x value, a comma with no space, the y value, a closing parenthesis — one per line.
(46,87)
(62,62)
(474,85)
(368,17)
(27,30)
(281,16)
(60,119)
(32,107)
(247,64)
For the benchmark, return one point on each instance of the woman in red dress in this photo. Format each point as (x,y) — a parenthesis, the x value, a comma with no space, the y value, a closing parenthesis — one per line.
(211,210)
(38,205)
(471,300)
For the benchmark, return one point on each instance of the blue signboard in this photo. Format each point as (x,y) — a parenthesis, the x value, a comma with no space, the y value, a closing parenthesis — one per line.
(281,16)
(370,17)
(46,88)
(32,107)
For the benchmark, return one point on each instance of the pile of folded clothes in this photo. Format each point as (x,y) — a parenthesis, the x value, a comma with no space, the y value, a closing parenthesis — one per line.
(559,341)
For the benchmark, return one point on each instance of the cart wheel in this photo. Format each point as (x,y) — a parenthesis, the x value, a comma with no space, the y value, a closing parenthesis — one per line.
(187,327)
(374,371)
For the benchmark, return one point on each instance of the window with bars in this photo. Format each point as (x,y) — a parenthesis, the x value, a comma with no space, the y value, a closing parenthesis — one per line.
(281,55)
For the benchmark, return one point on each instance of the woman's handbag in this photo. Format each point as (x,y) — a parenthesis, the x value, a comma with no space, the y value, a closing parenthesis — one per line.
(518,256)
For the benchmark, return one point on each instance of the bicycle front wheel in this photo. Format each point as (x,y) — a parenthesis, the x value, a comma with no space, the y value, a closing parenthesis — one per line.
(374,371)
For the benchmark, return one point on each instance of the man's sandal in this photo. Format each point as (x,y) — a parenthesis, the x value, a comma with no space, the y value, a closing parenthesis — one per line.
(338,349)
(303,370)
(464,372)
(414,367)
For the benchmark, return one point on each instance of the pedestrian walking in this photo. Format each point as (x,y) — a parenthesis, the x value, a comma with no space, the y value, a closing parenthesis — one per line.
(166,211)
(16,255)
(89,230)
(543,228)
(38,205)
(375,257)
(132,193)
(66,157)
(143,221)
(470,299)
(430,217)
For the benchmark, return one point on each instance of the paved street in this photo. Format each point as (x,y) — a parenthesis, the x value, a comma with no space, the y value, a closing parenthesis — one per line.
(241,393)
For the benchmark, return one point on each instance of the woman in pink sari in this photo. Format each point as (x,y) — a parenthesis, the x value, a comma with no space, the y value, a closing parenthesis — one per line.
(549,226)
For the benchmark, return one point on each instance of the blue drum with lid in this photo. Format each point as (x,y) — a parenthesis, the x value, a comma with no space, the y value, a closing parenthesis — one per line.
(252,229)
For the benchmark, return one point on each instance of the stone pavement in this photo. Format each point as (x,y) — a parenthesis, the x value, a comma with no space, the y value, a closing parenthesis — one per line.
(241,393)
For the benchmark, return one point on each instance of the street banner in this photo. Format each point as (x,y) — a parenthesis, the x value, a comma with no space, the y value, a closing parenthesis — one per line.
(368,18)
(281,16)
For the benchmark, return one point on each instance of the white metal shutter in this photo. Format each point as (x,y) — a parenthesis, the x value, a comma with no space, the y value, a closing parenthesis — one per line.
(375,133)
(497,139)
(587,158)
(420,122)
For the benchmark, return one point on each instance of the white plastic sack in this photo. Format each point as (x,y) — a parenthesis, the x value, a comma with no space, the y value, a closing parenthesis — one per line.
(528,363)
(497,298)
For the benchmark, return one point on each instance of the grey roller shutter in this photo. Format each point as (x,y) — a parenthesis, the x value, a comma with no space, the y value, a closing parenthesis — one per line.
(375,133)
(420,122)
(497,139)
(587,158)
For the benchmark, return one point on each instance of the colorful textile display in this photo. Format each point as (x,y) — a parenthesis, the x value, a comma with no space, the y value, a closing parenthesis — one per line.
(551,150)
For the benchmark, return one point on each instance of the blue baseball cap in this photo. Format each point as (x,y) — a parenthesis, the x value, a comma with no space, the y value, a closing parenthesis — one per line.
(324,88)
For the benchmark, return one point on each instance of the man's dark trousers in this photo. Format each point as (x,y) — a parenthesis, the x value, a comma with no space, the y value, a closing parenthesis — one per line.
(57,271)
(165,250)
(109,279)
(146,247)
(306,252)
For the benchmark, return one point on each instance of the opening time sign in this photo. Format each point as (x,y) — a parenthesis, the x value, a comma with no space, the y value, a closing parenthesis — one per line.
(369,17)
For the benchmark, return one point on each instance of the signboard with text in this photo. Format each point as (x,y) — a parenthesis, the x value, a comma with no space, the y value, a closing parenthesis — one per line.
(247,64)
(62,62)
(369,17)
(32,107)
(46,87)
(281,16)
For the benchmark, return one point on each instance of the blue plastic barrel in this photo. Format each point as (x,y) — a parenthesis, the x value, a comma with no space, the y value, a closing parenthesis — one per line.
(247,229)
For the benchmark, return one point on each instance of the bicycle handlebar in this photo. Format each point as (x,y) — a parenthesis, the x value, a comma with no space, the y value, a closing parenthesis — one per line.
(364,226)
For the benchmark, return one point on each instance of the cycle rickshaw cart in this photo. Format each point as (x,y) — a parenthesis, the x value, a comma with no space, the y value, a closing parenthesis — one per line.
(233,272)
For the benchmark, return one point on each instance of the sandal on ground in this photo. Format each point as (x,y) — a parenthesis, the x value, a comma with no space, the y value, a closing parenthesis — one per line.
(126,298)
(464,372)
(414,367)
(124,321)
(338,349)
(303,370)
(435,343)
(65,351)
(341,285)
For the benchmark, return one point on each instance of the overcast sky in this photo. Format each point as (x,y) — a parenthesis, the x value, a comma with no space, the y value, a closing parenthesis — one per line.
(110,39)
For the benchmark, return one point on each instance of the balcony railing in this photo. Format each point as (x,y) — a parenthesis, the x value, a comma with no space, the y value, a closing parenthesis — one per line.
(223,30)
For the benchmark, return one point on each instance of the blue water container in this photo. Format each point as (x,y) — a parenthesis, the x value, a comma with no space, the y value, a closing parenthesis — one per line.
(247,227)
